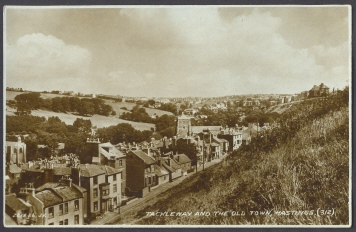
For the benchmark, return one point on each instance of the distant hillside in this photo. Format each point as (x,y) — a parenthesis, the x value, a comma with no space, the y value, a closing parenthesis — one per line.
(295,172)
(117,106)
(97,120)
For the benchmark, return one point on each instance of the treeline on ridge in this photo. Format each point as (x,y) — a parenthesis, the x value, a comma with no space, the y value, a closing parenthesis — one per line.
(25,103)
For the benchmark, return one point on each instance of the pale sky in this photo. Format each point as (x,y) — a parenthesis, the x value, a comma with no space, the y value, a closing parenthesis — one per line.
(177,51)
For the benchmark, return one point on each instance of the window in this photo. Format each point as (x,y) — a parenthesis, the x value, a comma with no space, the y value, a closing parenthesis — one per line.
(96,206)
(20,150)
(50,212)
(66,222)
(61,209)
(8,150)
(115,188)
(65,208)
(51,224)
(76,219)
(120,163)
(76,205)
(164,178)
(60,222)
(105,192)
(95,193)
(95,180)
(114,176)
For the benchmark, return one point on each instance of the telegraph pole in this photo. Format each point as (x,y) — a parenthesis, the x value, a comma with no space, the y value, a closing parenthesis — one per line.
(203,151)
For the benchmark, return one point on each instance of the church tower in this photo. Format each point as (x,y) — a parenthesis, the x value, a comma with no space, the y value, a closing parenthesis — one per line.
(183,126)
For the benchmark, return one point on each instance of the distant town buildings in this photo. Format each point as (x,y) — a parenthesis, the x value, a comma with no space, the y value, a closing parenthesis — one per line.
(319,91)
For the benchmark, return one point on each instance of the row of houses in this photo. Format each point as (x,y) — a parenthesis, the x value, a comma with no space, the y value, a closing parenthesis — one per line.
(115,174)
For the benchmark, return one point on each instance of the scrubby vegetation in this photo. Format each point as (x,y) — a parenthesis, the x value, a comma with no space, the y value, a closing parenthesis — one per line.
(300,166)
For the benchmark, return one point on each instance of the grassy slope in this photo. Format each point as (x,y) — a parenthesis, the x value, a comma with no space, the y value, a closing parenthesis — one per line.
(306,172)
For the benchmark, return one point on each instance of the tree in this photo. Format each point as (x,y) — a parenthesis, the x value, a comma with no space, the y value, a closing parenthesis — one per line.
(164,122)
(82,125)
(33,100)
(23,108)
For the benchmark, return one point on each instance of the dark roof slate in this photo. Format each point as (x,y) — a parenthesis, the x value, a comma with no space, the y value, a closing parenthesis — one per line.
(14,203)
(143,156)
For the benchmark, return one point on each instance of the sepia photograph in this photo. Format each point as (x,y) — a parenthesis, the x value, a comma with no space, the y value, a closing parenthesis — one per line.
(177,116)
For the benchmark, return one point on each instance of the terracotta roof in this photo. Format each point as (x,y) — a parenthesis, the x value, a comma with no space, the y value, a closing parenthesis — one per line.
(182,159)
(14,203)
(143,156)
(54,193)
(67,193)
(48,198)
(89,170)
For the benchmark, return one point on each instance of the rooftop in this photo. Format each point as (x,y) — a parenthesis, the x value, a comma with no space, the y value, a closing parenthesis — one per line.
(15,203)
(143,156)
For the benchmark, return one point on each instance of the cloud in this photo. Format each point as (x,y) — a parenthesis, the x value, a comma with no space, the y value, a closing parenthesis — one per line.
(185,51)
(215,55)
(40,62)
(129,83)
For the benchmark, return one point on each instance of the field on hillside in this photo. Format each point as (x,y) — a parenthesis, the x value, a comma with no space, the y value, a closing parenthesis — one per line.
(10,95)
(97,120)
(118,105)
(297,174)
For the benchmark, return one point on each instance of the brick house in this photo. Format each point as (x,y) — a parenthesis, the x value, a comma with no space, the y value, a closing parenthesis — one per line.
(141,174)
